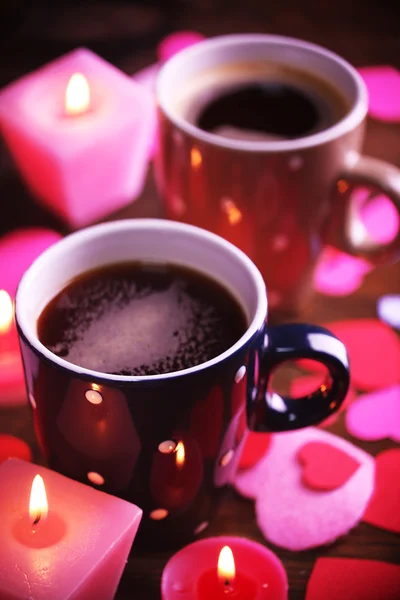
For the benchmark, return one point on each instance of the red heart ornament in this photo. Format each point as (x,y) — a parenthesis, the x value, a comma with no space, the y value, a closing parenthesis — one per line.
(255,447)
(353,579)
(325,467)
(13,447)
(383,509)
(374,351)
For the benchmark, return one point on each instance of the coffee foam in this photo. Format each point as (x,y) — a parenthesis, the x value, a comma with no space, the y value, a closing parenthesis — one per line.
(144,332)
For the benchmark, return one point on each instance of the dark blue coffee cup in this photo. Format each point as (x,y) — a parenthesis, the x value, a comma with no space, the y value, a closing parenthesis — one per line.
(169,443)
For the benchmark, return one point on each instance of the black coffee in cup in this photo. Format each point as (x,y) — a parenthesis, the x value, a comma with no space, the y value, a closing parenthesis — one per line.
(141,319)
(262,101)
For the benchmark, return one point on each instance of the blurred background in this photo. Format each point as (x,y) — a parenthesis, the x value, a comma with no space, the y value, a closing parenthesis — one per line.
(126,33)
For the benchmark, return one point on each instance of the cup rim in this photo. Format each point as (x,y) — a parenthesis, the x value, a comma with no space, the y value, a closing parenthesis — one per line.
(63,246)
(354,116)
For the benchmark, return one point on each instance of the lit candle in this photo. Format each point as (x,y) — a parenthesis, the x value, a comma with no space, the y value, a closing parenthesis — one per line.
(224,567)
(60,538)
(80,132)
(77,95)
(17,252)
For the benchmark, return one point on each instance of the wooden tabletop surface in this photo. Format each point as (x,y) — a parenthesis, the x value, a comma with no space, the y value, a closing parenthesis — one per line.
(126,33)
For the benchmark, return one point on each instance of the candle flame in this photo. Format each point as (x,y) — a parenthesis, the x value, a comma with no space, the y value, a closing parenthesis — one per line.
(77,96)
(6,311)
(180,455)
(226,566)
(38,507)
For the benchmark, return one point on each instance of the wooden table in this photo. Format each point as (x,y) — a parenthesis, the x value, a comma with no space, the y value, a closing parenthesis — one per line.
(364,33)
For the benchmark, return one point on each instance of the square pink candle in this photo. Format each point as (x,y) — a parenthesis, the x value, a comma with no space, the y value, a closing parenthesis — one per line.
(82,143)
(76,552)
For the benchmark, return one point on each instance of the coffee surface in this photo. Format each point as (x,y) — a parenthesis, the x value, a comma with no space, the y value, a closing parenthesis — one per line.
(259,102)
(141,319)
(269,108)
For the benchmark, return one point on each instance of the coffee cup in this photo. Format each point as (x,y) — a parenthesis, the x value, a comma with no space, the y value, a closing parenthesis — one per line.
(168,442)
(259,142)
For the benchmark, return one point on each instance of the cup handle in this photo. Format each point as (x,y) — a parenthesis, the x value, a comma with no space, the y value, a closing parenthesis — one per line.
(345,228)
(269,411)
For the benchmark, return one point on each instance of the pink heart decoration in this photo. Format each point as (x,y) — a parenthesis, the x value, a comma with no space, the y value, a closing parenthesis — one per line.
(378,215)
(289,513)
(383,509)
(326,467)
(376,416)
(353,579)
(383,84)
(339,274)
(175,42)
(388,309)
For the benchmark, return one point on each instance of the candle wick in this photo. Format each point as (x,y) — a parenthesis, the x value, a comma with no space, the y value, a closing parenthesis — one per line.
(37,519)
(227,582)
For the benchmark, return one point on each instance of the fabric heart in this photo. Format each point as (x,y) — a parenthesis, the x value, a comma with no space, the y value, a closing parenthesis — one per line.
(302,386)
(383,511)
(338,273)
(292,515)
(326,467)
(376,416)
(255,447)
(374,351)
(388,309)
(353,579)
(383,84)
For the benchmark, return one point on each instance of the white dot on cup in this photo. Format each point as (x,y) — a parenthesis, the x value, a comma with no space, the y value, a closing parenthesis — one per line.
(200,528)
(158,514)
(295,163)
(93,396)
(280,242)
(95,478)
(226,458)
(167,447)
(241,372)
(32,401)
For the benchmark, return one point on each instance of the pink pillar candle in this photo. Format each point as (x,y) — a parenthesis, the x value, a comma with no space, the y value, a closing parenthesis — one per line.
(76,551)
(17,252)
(224,568)
(82,143)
